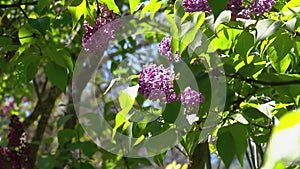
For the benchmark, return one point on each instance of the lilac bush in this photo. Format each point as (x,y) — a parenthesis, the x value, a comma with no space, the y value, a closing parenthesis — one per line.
(156,83)
(165,49)
(191,100)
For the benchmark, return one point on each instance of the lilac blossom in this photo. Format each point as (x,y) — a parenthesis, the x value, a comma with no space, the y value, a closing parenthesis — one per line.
(259,7)
(156,83)
(105,17)
(196,6)
(191,100)
(165,49)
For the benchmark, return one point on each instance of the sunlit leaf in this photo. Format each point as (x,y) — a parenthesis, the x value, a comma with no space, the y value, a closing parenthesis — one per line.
(266,28)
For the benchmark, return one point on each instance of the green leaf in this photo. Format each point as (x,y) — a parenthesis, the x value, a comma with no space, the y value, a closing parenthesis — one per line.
(267,108)
(77,12)
(28,64)
(284,144)
(291,4)
(192,26)
(88,148)
(217,6)
(133,4)
(57,75)
(121,117)
(266,28)
(65,136)
(57,56)
(171,112)
(273,77)
(289,93)
(226,148)
(244,44)
(46,162)
(232,141)
(72,2)
(279,53)
(127,96)
(240,118)
(66,57)
(4,41)
(224,17)
(153,6)
(63,120)
(41,24)
(293,24)
(25,35)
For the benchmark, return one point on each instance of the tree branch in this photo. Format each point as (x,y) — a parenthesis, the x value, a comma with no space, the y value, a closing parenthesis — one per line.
(44,108)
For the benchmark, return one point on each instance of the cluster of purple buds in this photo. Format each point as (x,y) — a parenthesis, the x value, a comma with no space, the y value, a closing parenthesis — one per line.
(156,83)
(105,16)
(196,6)
(14,156)
(165,49)
(191,100)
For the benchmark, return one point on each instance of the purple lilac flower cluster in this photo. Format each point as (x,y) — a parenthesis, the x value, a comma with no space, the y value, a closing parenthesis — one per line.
(196,5)
(16,154)
(156,83)
(191,100)
(165,49)
(237,9)
(105,16)
(257,8)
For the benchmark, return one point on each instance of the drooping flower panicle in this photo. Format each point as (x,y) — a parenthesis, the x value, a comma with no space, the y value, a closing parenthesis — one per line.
(165,49)
(191,100)
(156,83)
